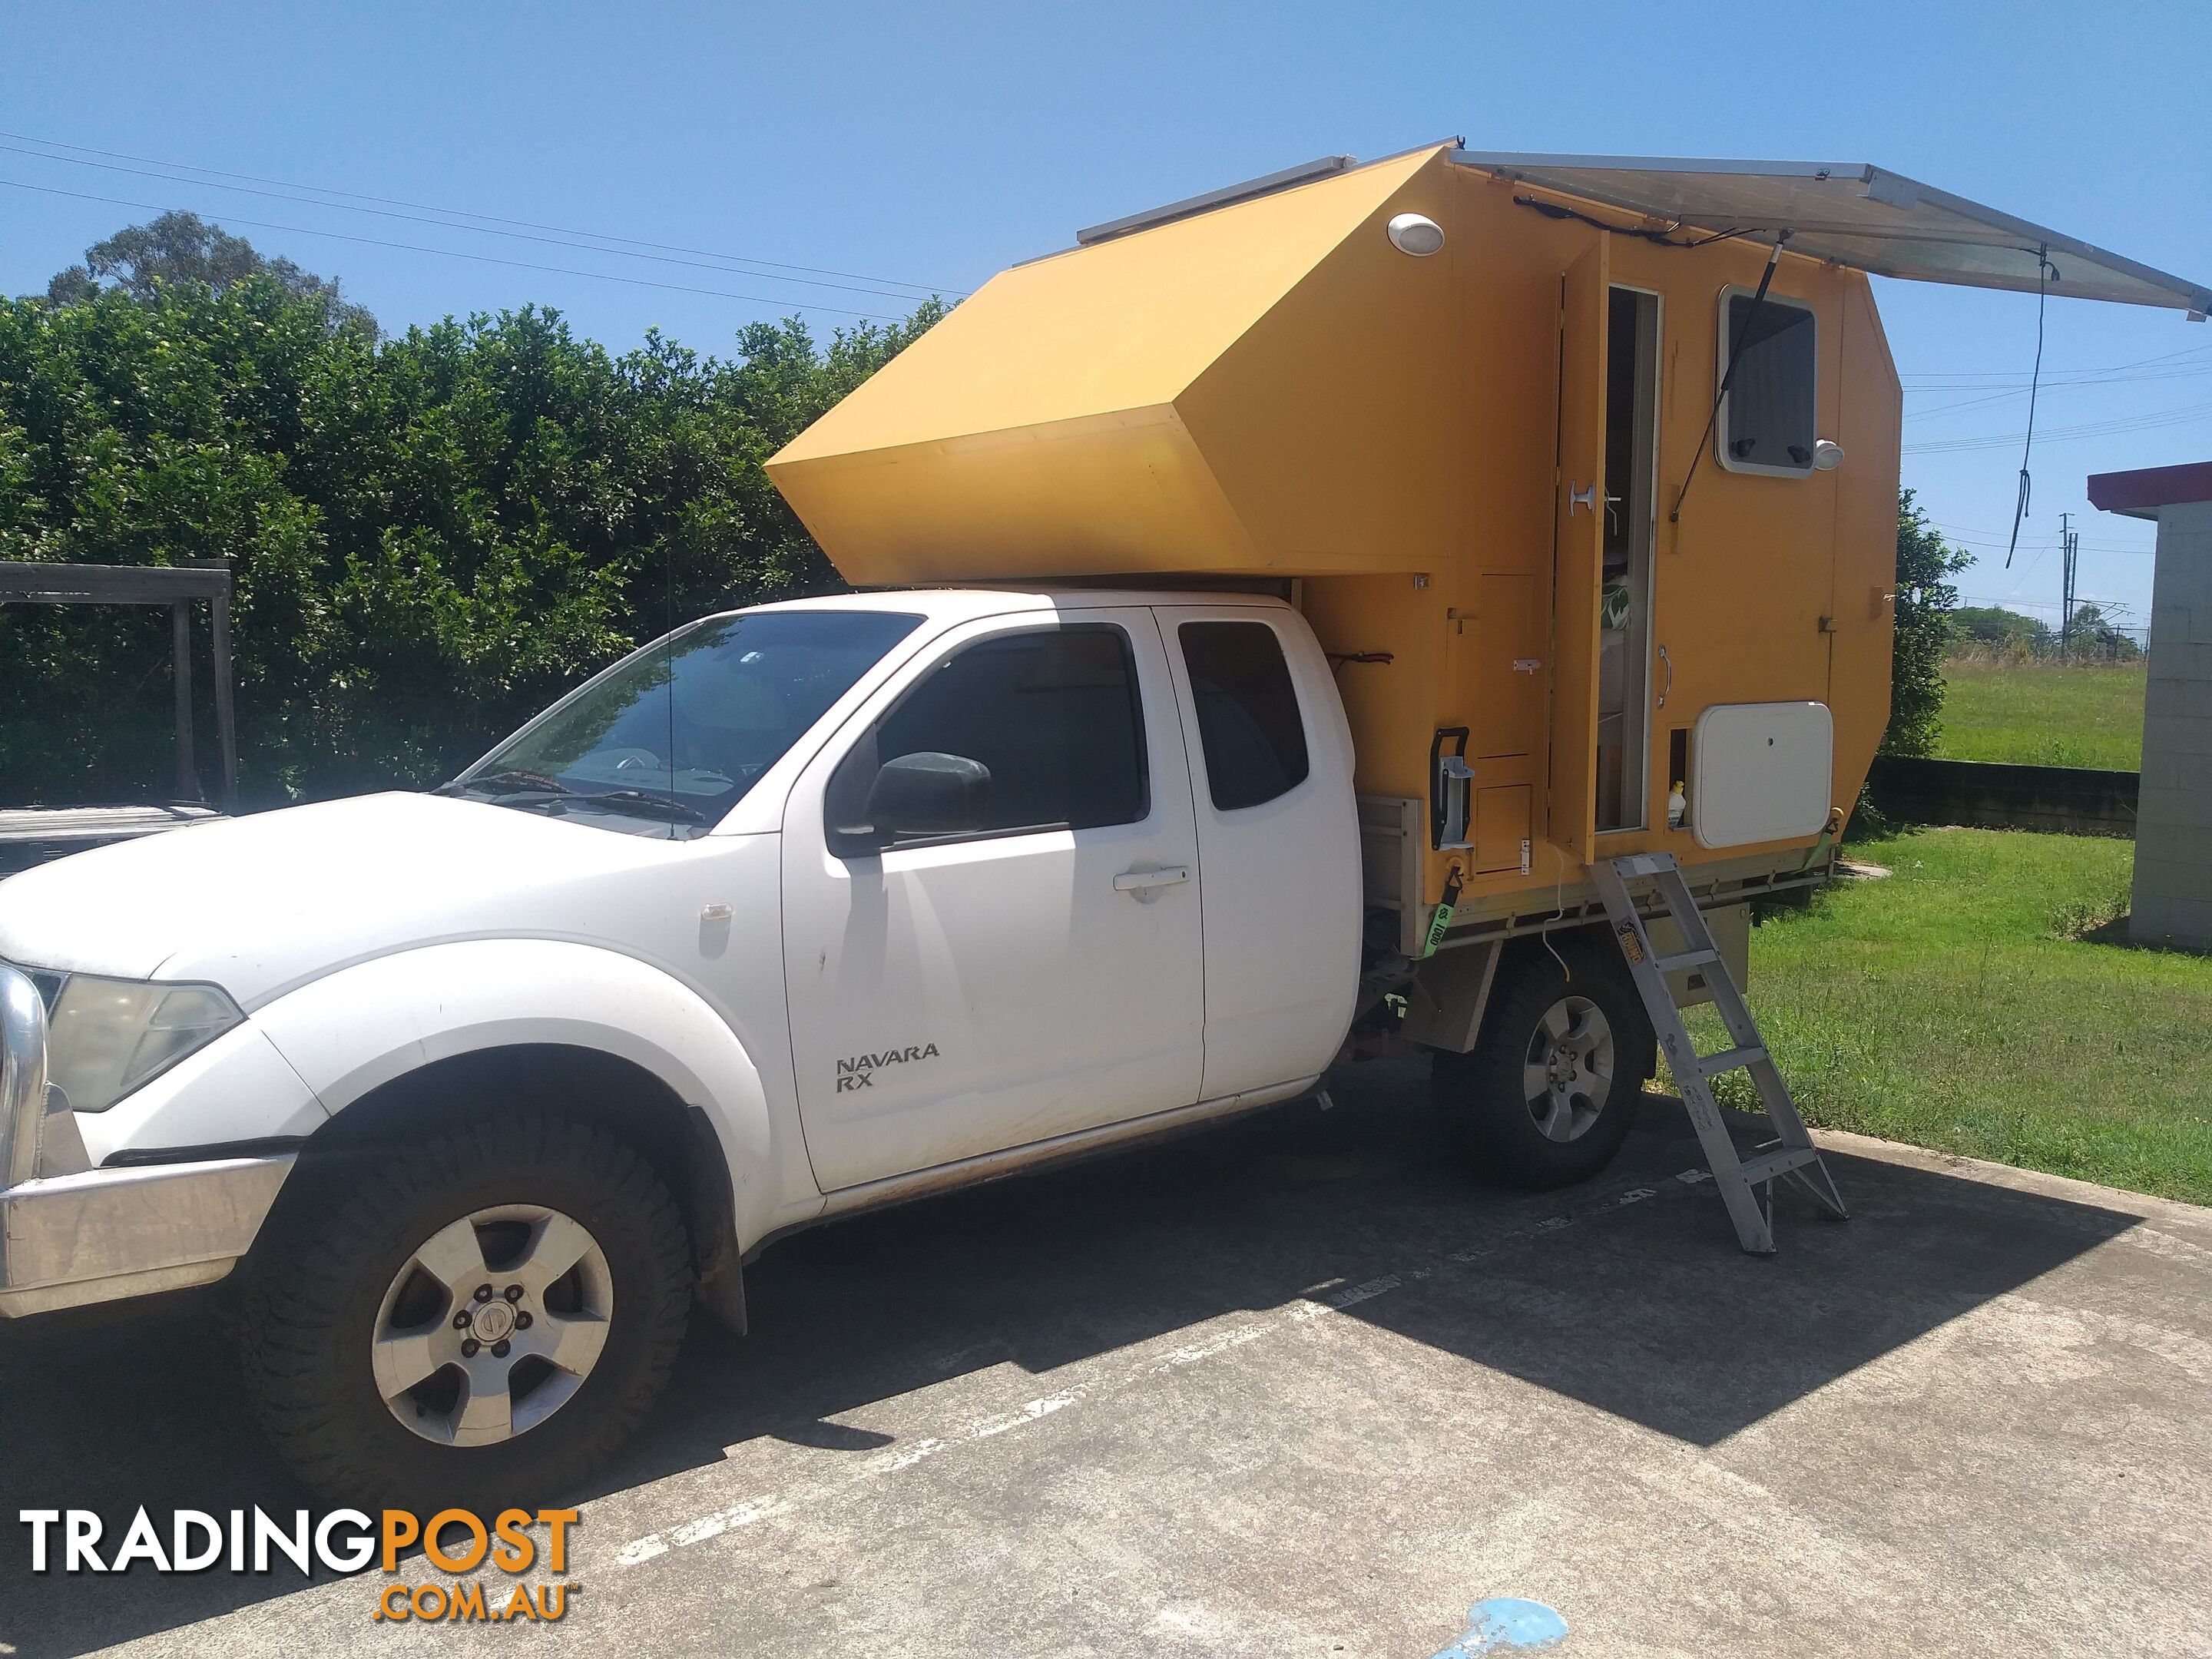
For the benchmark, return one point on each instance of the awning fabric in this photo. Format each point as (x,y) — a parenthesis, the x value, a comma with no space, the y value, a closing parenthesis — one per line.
(1850,213)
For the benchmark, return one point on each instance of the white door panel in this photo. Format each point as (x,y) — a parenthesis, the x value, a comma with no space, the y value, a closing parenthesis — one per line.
(1282,888)
(959,998)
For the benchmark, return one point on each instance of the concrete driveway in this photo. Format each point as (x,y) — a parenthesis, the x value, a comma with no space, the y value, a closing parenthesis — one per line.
(1298,1386)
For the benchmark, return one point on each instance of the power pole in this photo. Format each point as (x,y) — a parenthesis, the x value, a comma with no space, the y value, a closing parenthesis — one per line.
(2069,542)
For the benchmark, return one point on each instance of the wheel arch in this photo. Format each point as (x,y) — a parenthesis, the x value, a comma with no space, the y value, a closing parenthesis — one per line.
(608,1092)
(1453,990)
(414,1038)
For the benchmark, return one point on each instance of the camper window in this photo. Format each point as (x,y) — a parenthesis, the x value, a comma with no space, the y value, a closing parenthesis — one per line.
(1766,418)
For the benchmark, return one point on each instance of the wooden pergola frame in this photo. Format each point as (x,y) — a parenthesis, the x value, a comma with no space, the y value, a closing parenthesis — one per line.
(175,586)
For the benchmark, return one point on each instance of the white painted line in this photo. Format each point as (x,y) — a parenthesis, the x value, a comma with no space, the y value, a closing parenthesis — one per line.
(1339,1299)
(698,1531)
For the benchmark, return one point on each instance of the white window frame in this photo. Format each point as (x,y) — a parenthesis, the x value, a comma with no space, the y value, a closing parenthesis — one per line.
(1728,462)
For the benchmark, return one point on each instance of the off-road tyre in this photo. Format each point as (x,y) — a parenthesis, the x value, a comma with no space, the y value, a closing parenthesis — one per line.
(1487,1092)
(320,1285)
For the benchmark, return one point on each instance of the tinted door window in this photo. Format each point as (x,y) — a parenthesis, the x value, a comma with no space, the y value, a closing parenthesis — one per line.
(1247,712)
(1053,714)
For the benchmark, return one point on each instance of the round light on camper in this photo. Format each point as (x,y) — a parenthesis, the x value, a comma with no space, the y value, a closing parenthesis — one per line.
(1416,233)
(1827,455)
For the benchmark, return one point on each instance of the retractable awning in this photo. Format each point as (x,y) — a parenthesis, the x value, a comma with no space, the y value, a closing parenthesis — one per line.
(1850,213)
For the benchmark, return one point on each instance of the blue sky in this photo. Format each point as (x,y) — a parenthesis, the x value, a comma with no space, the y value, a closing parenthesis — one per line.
(900,149)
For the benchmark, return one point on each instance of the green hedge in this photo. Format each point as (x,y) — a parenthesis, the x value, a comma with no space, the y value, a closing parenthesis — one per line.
(432,536)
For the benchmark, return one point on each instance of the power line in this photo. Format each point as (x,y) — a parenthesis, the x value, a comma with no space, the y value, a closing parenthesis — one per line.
(481,258)
(1976,536)
(2063,385)
(451,213)
(2067,434)
(1972,379)
(446,224)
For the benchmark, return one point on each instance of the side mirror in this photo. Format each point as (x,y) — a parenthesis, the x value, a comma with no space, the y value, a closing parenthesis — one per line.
(928,794)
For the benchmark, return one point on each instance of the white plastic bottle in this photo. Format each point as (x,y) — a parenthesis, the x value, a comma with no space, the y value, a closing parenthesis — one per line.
(1678,806)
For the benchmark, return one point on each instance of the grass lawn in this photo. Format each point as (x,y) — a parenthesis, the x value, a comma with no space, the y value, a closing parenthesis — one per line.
(1946,1006)
(2039,714)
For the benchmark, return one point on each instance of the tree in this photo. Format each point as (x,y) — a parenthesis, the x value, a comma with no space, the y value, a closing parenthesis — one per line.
(1925,605)
(181,247)
(1990,624)
(2095,635)
(432,534)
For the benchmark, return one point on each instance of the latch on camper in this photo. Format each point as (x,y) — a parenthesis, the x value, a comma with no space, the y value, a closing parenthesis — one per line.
(1451,783)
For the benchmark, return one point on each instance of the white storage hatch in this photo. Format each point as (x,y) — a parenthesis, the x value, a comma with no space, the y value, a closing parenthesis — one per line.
(1761,772)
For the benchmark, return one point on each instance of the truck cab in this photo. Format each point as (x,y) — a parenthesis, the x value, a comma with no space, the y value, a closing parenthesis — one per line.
(803,909)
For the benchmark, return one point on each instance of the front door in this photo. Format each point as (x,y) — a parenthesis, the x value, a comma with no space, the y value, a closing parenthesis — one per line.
(954,995)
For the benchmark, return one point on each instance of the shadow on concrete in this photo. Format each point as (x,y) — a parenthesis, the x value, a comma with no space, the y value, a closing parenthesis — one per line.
(1648,1311)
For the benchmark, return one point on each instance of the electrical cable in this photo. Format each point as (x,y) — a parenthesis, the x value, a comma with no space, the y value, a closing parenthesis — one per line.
(1663,238)
(2044,268)
(481,258)
(456,213)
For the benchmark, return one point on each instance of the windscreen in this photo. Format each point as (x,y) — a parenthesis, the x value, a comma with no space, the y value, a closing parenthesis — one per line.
(676,735)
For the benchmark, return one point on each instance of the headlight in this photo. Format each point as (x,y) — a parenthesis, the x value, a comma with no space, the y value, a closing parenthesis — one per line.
(107,1036)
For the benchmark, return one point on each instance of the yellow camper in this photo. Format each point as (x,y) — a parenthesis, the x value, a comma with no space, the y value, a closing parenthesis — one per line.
(1464,410)
(1583,470)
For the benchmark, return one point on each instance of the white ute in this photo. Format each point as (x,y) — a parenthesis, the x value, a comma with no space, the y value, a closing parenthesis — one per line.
(803,909)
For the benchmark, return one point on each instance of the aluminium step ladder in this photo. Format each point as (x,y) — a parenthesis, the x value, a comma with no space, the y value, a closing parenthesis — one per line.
(1793,1155)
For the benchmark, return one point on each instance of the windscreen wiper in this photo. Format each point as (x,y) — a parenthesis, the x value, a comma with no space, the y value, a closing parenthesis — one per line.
(516,782)
(638,800)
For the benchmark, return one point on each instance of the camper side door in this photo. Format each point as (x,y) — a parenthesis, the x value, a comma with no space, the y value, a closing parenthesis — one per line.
(1578,553)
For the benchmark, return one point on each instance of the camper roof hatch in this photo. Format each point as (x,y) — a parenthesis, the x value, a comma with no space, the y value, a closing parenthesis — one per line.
(1850,213)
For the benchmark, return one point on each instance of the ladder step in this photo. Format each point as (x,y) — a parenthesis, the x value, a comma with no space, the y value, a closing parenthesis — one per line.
(1764,1166)
(1735,1175)
(1730,1060)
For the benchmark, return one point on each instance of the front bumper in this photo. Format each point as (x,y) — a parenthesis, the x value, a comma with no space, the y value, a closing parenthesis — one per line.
(70,1235)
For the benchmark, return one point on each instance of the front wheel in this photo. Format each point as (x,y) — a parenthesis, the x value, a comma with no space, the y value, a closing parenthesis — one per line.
(1550,1090)
(488,1310)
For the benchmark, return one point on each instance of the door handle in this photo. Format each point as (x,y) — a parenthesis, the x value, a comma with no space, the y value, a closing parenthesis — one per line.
(1145,884)
(1669,664)
(1586,498)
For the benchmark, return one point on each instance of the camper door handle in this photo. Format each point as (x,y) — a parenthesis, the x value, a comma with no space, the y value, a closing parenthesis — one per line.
(1668,663)
(1585,498)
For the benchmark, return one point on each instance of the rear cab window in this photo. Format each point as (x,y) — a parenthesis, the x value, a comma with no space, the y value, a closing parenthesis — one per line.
(1248,721)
